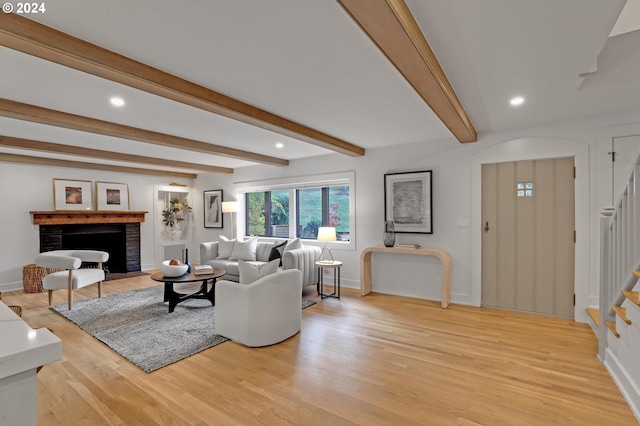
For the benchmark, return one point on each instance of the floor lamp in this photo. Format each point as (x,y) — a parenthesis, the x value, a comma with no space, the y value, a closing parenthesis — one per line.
(230,207)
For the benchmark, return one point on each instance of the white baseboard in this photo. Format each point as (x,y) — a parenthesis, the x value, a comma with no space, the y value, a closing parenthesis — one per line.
(148,267)
(458,299)
(628,389)
(7,287)
(354,284)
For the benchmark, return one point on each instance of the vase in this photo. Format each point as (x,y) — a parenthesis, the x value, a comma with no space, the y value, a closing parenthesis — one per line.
(186,260)
(389,233)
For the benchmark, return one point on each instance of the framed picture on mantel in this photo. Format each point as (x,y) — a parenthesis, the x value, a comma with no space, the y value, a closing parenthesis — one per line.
(112,196)
(407,201)
(72,194)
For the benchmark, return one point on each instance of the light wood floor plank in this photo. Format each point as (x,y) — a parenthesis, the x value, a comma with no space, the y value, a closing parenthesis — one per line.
(370,360)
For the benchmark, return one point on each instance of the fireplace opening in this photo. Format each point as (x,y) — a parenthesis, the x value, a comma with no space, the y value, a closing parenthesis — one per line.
(109,239)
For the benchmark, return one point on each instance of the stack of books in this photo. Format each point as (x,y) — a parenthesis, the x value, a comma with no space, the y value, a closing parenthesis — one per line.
(202,270)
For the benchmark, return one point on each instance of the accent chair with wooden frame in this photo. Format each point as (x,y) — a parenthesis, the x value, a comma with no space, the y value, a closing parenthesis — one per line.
(72,277)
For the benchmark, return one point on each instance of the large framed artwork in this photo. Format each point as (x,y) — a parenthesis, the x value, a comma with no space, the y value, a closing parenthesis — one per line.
(213,208)
(407,201)
(112,196)
(72,194)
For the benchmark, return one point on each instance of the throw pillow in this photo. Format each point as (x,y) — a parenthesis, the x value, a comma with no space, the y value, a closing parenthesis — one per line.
(225,247)
(250,272)
(276,251)
(245,250)
(292,245)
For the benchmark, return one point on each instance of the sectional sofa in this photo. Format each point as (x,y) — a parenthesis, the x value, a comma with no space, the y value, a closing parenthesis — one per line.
(294,255)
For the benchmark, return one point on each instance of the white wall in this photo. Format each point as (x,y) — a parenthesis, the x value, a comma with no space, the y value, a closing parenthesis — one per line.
(28,188)
(207,182)
(456,195)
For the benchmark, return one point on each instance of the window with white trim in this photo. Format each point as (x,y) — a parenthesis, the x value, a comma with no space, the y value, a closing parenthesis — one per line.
(268,213)
(298,209)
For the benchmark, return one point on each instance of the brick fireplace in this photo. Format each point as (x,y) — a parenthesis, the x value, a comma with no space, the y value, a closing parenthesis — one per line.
(117,233)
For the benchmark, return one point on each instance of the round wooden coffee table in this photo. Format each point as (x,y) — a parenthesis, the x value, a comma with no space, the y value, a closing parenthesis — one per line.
(173,297)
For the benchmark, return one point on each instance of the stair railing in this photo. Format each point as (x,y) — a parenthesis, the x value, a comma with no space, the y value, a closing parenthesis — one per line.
(619,251)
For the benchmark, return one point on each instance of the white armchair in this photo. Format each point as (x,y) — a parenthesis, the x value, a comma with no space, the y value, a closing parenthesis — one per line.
(262,313)
(72,277)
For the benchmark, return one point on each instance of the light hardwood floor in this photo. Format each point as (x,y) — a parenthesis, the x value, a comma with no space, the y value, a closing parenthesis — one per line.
(360,360)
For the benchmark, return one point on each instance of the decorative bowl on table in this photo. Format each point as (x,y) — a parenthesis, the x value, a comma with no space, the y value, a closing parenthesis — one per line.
(173,270)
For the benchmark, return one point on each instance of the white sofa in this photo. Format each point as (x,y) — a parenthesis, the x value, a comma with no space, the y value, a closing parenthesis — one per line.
(262,313)
(302,259)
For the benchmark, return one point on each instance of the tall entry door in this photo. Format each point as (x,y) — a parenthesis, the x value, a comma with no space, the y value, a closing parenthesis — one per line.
(528,236)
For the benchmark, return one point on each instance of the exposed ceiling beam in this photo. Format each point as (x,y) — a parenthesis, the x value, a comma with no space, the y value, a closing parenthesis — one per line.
(391,26)
(106,155)
(27,159)
(36,114)
(33,38)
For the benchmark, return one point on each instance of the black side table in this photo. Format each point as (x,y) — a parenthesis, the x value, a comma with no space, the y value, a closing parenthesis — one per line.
(335,265)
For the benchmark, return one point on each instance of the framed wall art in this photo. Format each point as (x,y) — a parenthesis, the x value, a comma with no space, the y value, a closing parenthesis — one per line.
(112,196)
(213,208)
(72,194)
(407,201)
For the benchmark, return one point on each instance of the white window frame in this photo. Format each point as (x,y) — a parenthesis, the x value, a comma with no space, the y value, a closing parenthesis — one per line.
(299,182)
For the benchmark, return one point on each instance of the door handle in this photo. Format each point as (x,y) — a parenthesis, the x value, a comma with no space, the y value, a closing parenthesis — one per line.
(486,226)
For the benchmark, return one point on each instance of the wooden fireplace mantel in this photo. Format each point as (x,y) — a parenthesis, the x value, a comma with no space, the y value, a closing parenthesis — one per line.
(70,217)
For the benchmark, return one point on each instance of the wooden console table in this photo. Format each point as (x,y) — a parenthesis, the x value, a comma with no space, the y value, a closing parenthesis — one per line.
(443,256)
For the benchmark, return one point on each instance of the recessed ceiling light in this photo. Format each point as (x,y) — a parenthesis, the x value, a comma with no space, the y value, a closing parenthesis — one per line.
(116,101)
(518,100)
(279,145)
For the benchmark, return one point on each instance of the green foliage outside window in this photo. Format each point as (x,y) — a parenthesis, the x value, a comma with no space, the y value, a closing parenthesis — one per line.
(256,213)
(280,207)
(311,212)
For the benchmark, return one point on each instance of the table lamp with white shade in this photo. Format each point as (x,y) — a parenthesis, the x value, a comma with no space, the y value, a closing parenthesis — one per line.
(230,207)
(326,234)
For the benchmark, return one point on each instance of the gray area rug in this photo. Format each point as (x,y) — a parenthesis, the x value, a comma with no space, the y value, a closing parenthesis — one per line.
(137,325)
(112,276)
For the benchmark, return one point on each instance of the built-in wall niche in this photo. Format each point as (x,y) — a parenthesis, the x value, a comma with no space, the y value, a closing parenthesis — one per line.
(173,222)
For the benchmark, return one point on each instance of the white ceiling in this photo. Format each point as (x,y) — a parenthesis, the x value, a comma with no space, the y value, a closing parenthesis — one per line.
(629,19)
(307,61)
